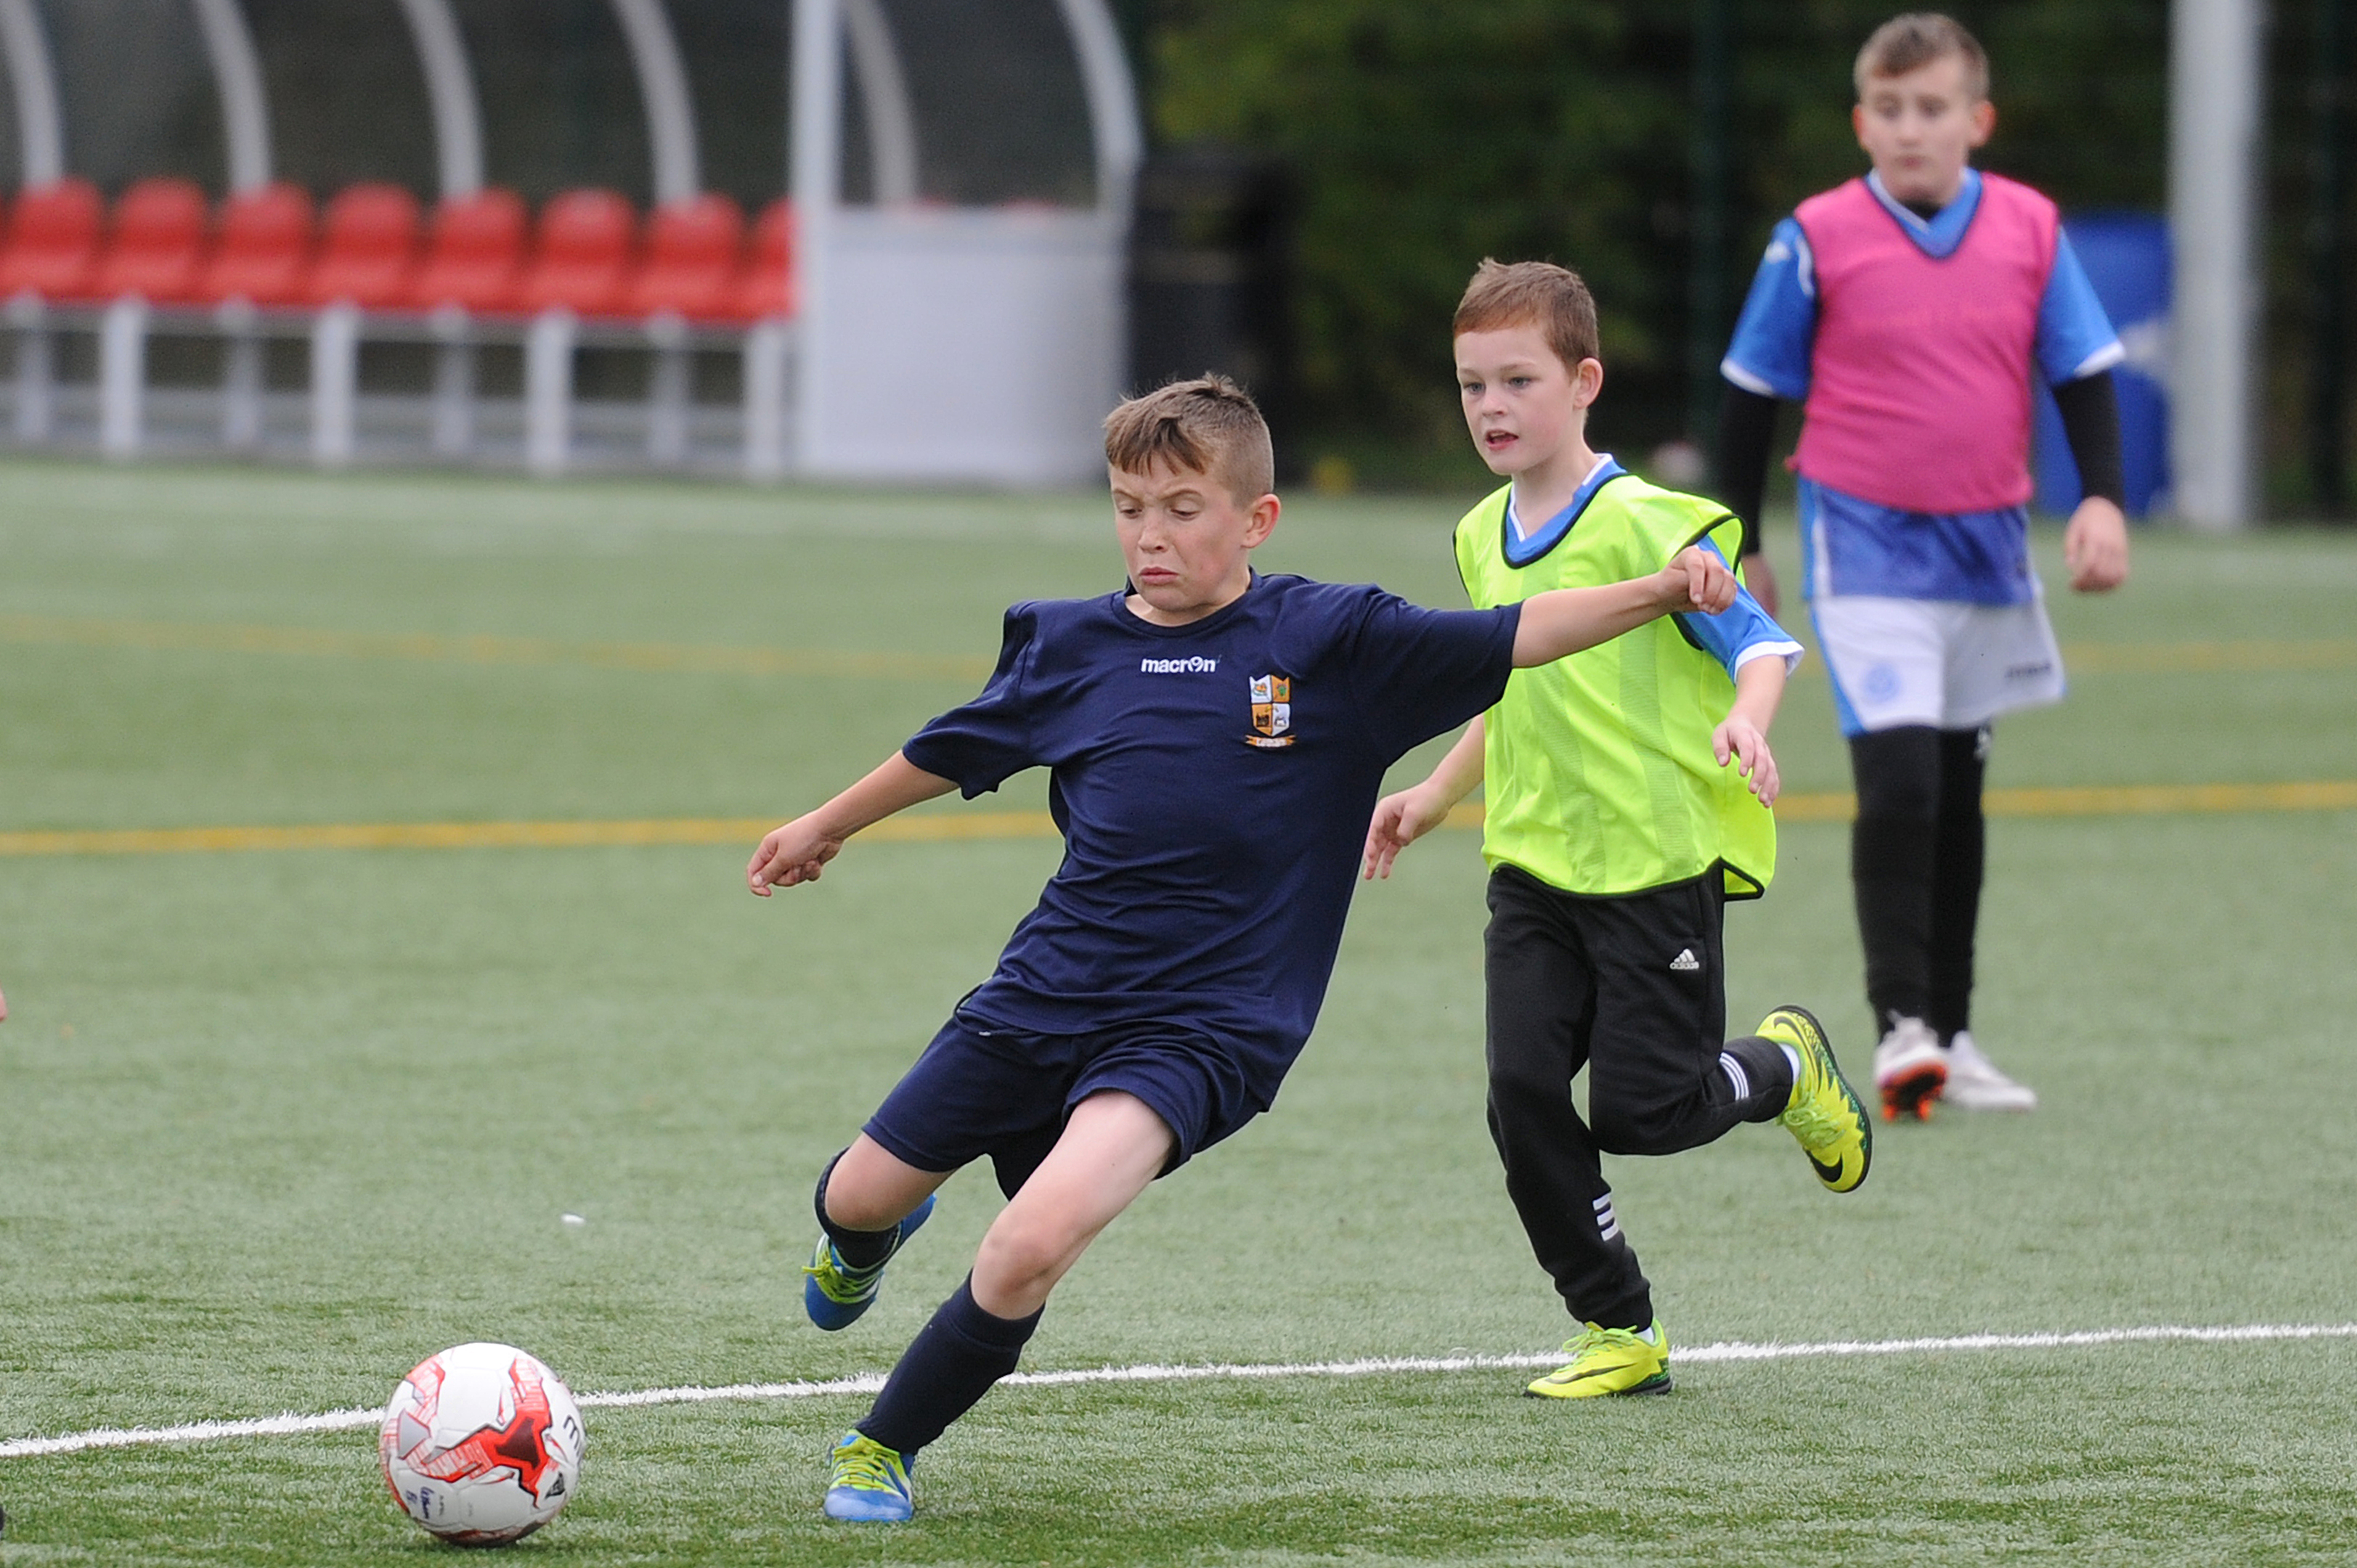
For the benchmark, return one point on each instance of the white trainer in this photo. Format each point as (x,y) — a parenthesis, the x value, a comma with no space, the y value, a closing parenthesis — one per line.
(1910,1069)
(1976,1084)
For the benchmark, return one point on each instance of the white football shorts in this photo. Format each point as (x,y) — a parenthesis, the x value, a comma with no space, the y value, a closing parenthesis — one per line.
(1934,661)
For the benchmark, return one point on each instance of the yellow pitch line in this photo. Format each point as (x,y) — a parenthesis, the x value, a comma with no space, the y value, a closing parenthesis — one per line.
(2098,801)
(2133,799)
(666,658)
(745,831)
(2187,657)
(2090,657)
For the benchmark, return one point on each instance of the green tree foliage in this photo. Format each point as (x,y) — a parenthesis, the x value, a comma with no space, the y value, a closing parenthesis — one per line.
(1429,135)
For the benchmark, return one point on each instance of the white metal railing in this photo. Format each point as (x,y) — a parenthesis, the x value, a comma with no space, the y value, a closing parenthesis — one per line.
(333,418)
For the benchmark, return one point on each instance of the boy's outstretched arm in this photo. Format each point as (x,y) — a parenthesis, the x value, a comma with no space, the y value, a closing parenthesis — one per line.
(1742,736)
(797,852)
(1554,626)
(1558,624)
(1406,816)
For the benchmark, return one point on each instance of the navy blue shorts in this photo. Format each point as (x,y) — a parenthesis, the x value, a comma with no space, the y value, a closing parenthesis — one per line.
(983,1089)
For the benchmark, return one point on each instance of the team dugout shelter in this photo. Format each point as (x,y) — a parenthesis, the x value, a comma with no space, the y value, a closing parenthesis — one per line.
(859,239)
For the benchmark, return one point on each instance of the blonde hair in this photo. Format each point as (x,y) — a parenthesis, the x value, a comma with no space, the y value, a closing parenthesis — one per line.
(1208,425)
(1532,294)
(1908,42)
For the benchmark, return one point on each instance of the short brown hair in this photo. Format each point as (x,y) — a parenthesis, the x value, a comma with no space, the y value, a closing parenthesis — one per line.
(1532,294)
(1914,41)
(1207,424)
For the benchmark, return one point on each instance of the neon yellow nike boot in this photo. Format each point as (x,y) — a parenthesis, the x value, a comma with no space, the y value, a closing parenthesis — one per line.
(1609,1361)
(1824,1113)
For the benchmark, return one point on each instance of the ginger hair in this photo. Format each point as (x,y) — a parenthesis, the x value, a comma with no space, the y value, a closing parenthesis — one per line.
(1532,294)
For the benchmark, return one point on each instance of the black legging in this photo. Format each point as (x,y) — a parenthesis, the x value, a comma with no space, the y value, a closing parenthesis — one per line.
(1595,984)
(1916,857)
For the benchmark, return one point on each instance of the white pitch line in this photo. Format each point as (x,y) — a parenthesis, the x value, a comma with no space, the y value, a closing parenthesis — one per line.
(868,1383)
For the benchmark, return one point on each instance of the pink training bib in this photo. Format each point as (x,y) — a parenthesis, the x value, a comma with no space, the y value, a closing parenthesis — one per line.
(1918,389)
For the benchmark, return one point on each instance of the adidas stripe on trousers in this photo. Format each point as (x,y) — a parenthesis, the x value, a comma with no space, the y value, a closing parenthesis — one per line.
(1629,988)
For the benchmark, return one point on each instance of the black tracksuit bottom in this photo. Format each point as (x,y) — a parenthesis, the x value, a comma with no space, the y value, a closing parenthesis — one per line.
(1632,988)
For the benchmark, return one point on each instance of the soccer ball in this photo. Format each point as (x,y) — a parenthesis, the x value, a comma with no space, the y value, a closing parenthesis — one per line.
(482,1445)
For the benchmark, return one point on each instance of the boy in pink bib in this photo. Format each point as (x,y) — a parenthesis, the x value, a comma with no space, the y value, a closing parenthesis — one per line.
(1908,311)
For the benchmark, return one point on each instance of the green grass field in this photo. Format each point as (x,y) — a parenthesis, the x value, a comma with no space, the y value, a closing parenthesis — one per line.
(274,1126)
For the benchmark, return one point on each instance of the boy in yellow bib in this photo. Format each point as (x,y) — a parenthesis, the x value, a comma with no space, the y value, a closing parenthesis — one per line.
(1628,788)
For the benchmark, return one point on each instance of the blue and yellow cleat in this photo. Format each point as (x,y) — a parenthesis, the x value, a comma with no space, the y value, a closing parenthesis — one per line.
(1824,1113)
(869,1484)
(1608,1361)
(834,1294)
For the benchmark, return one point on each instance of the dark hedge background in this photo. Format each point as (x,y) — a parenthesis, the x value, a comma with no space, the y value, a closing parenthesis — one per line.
(1428,135)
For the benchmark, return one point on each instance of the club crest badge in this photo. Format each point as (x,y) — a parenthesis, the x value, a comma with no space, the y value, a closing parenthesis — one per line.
(1272,710)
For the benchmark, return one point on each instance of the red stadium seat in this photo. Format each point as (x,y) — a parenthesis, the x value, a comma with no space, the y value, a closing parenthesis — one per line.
(473,257)
(158,249)
(52,247)
(583,260)
(694,250)
(369,249)
(265,246)
(765,287)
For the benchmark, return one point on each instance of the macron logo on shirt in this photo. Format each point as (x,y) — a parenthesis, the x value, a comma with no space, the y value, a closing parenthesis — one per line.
(1197,666)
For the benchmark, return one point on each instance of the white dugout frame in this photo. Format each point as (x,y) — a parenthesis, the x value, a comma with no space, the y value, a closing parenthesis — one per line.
(1015,315)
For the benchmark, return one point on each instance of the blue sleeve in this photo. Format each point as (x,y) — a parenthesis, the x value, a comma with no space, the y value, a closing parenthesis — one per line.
(978,747)
(1777,332)
(2074,337)
(1737,630)
(1417,672)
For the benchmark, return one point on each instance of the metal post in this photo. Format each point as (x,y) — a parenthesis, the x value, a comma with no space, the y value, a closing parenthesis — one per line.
(245,106)
(454,386)
(33,83)
(548,392)
(664,90)
(891,122)
(766,351)
(815,162)
(2327,259)
(35,370)
(1706,231)
(450,92)
(121,376)
(241,378)
(2214,154)
(335,381)
(669,389)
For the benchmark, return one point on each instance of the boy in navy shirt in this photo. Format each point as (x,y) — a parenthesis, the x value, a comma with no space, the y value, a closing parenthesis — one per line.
(1215,739)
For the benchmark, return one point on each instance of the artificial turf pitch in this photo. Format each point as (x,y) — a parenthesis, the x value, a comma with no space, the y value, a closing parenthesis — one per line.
(275,1126)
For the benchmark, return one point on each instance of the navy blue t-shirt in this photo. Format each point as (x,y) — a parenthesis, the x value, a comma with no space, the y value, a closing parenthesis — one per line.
(1212,782)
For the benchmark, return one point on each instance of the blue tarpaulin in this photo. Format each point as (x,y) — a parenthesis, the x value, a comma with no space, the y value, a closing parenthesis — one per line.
(2126,255)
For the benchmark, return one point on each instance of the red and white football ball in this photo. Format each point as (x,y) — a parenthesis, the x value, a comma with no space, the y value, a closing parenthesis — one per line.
(482,1445)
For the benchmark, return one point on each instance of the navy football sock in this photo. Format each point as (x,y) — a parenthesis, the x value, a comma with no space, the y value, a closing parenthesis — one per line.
(945,1370)
(857,1248)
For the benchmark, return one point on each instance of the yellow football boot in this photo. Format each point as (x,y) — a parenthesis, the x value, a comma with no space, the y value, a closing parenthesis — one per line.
(1608,1361)
(1824,1113)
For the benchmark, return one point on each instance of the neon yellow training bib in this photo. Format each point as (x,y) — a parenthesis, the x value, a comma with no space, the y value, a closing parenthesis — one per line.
(1599,771)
